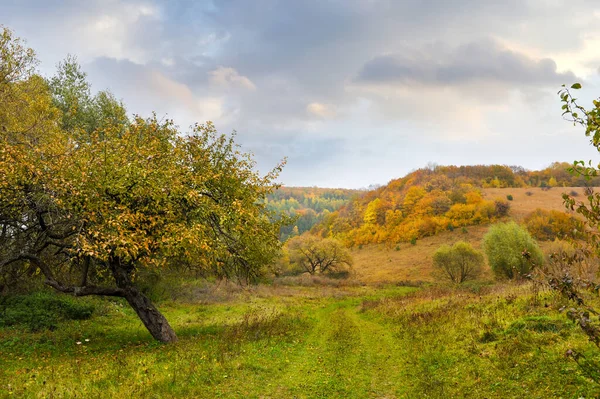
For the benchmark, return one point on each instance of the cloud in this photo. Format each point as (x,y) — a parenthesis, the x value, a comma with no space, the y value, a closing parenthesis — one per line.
(230,78)
(321,110)
(151,89)
(481,62)
(354,91)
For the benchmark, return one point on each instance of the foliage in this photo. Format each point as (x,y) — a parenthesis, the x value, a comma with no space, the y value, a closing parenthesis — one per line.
(306,206)
(425,202)
(90,206)
(505,244)
(40,311)
(315,255)
(548,225)
(459,262)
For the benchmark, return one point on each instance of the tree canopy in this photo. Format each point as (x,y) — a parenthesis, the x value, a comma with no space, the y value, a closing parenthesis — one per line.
(88,197)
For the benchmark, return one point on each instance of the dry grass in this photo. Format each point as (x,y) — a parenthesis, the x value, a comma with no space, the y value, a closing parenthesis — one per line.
(377,264)
(522,204)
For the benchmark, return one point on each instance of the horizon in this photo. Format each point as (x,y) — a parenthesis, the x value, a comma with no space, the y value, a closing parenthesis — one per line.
(352,93)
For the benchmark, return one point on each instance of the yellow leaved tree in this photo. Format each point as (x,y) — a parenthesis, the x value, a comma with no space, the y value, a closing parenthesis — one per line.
(89,198)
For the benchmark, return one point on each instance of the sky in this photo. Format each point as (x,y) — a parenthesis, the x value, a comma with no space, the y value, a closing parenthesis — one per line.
(350,92)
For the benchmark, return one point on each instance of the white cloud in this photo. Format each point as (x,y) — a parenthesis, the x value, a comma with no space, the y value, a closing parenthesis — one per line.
(321,110)
(227,78)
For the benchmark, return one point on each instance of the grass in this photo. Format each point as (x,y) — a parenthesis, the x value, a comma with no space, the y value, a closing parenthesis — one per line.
(523,204)
(312,342)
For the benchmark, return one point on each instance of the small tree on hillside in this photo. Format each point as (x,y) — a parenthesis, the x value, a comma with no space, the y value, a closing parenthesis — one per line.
(505,244)
(458,263)
(316,255)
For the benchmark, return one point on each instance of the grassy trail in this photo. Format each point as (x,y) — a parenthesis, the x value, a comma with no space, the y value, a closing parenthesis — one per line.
(346,355)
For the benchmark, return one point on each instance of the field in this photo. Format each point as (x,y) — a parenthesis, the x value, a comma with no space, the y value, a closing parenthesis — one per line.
(380,334)
(311,342)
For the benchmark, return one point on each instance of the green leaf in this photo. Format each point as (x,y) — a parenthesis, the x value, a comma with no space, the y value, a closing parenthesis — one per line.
(576,86)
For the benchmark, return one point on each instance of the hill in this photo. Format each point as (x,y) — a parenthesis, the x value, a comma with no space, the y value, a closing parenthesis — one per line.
(432,200)
(380,263)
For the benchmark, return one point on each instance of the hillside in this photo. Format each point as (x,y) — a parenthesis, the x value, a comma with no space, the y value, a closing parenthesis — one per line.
(430,201)
(377,264)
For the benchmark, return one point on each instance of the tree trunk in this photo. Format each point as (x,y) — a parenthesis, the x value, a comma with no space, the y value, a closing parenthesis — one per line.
(153,320)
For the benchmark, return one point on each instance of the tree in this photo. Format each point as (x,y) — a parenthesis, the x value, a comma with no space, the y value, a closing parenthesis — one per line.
(505,245)
(316,255)
(459,262)
(91,211)
(590,120)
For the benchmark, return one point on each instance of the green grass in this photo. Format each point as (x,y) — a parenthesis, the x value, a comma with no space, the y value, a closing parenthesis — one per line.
(310,342)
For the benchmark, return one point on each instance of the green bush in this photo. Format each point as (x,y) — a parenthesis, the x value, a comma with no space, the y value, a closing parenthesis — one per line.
(41,310)
(458,263)
(509,197)
(511,250)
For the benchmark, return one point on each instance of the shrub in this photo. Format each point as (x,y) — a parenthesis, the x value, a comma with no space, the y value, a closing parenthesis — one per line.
(41,311)
(574,193)
(528,193)
(509,197)
(511,250)
(413,241)
(548,225)
(458,263)
(501,208)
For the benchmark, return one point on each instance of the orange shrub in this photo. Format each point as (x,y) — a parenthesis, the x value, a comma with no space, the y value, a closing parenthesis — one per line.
(548,225)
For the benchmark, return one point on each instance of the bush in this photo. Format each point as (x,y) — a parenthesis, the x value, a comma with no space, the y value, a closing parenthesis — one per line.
(574,193)
(528,193)
(509,197)
(511,250)
(549,225)
(413,241)
(41,311)
(458,263)
(501,208)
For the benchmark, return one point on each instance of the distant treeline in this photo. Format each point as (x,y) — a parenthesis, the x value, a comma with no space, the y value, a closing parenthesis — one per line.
(310,205)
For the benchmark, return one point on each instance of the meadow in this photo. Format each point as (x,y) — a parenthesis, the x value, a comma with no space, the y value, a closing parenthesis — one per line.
(388,331)
(310,342)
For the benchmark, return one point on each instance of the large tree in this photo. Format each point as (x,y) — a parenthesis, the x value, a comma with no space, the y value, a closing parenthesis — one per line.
(89,199)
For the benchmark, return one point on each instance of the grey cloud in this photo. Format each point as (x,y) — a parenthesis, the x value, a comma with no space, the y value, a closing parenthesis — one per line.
(483,61)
